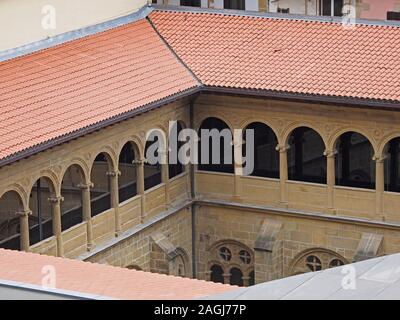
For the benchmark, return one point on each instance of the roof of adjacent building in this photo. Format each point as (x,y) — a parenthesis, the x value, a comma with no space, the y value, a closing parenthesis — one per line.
(62,92)
(374,279)
(90,280)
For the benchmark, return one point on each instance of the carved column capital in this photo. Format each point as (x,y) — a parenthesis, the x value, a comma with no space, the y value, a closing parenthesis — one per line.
(25,213)
(330,153)
(379,158)
(56,199)
(85,186)
(113,173)
(282,148)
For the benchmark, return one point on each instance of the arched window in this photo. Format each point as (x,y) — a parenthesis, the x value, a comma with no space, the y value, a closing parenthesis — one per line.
(127,181)
(190,3)
(354,165)
(392,165)
(235,4)
(175,167)
(41,220)
(215,136)
(217,274)
(265,155)
(100,199)
(71,191)
(236,277)
(10,209)
(306,160)
(152,172)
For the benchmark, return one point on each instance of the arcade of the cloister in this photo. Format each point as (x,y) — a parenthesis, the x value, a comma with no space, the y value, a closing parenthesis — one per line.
(325,179)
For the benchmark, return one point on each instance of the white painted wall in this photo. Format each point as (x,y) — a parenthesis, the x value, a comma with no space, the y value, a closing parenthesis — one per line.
(218,4)
(21,20)
(251,5)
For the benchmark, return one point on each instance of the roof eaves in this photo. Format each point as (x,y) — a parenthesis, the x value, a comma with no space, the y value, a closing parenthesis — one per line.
(95,127)
(273,15)
(315,98)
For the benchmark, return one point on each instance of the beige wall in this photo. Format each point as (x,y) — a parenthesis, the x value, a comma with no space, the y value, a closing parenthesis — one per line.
(21,21)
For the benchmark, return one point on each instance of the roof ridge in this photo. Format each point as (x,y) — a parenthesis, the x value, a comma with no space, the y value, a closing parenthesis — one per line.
(173,52)
(275,16)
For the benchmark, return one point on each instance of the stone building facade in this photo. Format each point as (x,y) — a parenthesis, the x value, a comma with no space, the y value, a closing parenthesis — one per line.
(327,196)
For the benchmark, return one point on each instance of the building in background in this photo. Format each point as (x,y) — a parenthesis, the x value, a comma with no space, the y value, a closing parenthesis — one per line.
(366,9)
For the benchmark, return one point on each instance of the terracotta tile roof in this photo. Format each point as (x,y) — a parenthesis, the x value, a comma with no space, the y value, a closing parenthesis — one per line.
(296,56)
(56,91)
(104,280)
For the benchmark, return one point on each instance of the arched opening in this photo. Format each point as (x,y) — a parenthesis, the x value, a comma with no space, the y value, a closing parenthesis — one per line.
(175,167)
(217,274)
(235,4)
(236,277)
(215,146)
(152,171)
(127,181)
(71,191)
(100,195)
(392,165)
(10,208)
(41,220)
(354,165)
(306,160)
(265,155)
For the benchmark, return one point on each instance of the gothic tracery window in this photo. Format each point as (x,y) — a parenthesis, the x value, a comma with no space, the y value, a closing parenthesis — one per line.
(231,262)
(316,259)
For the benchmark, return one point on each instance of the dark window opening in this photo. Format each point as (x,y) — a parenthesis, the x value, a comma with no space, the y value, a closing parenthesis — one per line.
(392,15)
(236,277)
(266,157)
(331,7)
(223,164)
(306,160)
(176,168)
(235,4)
(152,172)
(127,181)
(217,274)
(354,165)
(283,10)
(71,191)
(41,220)
(10,210)
(313,263)
(392,166)
(252,279)
(191,3)
(100,195)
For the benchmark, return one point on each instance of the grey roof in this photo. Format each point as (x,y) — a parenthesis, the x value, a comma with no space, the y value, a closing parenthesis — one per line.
(373,279)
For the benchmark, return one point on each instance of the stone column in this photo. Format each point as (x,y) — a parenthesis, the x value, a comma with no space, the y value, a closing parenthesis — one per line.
(237,163)
(283,172)
(246,281)
(227,278)
(165,177)
(57,227)
(24,229)
(86,210)
(379,184)
(330,179)
(140,187)
(114,196)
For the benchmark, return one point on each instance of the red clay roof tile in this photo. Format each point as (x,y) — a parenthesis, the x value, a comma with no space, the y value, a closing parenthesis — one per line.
(286,55)
(99,279)
(51,93)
